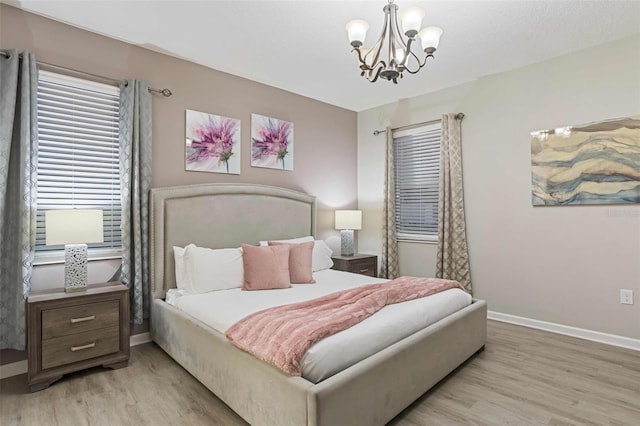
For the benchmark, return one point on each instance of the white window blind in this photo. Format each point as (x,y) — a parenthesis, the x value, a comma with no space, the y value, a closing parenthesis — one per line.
(416,153)
(78,156)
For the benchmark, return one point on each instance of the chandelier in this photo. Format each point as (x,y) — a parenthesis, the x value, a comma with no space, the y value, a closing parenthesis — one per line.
(392,55)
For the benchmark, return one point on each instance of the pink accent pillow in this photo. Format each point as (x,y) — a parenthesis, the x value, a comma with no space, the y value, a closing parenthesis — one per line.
(265,267)
(300,261)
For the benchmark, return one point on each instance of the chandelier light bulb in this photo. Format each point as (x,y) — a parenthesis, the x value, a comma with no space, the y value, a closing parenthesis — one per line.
(357,30)
(430,38)
(412,20)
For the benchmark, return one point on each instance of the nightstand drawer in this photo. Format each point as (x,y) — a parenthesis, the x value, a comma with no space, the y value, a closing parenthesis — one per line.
(80,346)
(364,267)
(78,319)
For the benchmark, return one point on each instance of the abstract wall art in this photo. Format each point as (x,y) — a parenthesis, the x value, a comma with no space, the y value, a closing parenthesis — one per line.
(595,163)
(271,143)
(213,143)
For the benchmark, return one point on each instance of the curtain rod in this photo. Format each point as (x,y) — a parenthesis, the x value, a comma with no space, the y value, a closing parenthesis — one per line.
(459,116)
(165,92)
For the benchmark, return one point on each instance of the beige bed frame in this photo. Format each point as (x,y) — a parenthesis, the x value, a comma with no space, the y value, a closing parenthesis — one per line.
(371,392)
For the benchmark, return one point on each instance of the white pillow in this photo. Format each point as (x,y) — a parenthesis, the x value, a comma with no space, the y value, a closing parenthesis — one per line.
(208,269)
(178,257)
(321,258)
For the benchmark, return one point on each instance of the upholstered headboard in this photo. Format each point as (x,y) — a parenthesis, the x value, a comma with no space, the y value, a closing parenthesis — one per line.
(220,216)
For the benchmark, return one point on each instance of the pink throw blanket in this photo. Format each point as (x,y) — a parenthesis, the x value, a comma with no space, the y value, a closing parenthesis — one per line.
(282,335)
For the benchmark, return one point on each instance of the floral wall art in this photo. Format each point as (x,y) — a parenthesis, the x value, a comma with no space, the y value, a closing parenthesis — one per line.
(595,163)
(213,143)
(271,143)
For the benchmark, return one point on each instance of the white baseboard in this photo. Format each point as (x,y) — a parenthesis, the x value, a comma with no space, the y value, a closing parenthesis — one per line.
(139,339)
(13,369)
(21,367)
(581,333)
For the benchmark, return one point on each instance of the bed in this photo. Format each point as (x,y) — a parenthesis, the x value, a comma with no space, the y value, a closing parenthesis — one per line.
(369,392)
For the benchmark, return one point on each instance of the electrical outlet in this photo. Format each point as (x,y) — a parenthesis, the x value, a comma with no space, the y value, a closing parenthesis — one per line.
(626,297)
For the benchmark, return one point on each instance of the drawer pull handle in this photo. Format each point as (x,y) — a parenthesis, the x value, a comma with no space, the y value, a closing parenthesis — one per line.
(363,271)
(79,348)
(76,320)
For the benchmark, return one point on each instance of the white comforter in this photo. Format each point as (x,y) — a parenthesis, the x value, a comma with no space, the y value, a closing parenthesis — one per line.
(221,309)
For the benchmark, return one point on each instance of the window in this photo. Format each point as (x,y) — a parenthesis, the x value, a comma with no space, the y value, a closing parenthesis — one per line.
(416,153)
(78,158)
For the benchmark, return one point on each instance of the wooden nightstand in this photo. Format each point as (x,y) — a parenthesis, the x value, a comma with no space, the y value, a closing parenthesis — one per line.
(365,264)
(73,331)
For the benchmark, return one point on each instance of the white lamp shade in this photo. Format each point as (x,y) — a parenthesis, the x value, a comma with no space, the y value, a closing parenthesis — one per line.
(348,219)
(357,30)
(411,20)
(430,37)
(367,54)
(73,226)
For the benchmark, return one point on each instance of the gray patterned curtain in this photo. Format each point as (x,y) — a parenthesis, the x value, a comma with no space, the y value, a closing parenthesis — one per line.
(389,268)
(453,257)
(18,166)
(135,179)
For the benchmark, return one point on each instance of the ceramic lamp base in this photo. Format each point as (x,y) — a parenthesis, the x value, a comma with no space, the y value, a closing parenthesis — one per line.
(346,242)
(75,267)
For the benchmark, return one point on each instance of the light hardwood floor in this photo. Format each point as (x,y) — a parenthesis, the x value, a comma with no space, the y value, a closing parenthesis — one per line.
(524,377)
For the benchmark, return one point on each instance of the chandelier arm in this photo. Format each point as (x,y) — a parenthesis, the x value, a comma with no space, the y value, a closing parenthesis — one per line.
(420,65)
(377,48)
(377,74)
(391,19)
(406,46)
(364,67)
(408,52)
(363,64)
(376,54)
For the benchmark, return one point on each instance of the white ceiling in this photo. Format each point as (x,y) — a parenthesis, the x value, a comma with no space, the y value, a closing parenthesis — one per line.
(301,46)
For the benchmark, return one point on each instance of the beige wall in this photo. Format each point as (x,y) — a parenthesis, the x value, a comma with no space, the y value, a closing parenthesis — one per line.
(325,135)
(563,265)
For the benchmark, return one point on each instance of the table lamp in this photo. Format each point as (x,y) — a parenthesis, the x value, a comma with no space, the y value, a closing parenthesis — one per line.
(74,228)
(348,221)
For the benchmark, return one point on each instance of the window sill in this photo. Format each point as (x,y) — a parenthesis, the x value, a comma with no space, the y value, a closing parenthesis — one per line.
(58,257)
